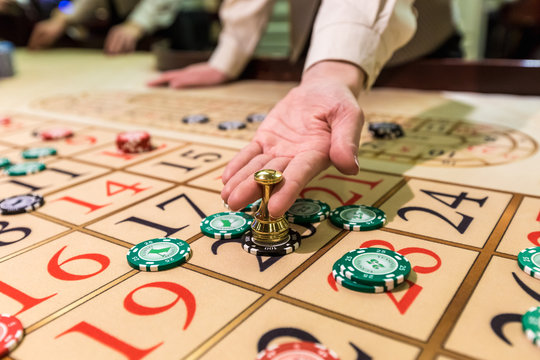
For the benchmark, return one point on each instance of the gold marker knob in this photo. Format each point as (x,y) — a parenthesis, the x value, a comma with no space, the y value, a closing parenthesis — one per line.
(266,229)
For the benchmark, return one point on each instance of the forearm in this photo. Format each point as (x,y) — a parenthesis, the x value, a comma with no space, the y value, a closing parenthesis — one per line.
(150,15)
(243,23)
(361,32)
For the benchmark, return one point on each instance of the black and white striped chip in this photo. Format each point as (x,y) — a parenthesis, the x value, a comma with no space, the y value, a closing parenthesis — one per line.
(20,204)
(195,119)
(255,118)
(231,125)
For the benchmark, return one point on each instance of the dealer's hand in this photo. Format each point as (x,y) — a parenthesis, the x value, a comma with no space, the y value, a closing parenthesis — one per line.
(195,75)
(123,38)
(316,124)
(46,32)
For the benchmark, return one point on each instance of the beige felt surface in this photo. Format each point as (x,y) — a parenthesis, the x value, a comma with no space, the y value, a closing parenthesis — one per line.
(461,191)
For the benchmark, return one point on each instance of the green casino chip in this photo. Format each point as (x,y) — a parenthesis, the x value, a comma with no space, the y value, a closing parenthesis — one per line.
(36,153)
(24,168)
(375,266)
(158,254)
(226,225)
(254,206)
(4,162)
(529,261)
(358,217)
(307,211)
(353,285)
(530,322)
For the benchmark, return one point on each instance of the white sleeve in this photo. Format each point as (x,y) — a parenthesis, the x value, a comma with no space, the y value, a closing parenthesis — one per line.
(362,32)
(152,15)
(243,22)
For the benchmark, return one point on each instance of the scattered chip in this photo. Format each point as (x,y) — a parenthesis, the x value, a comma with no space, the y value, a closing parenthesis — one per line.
(358,217)
(5,120)
(529,261)
(385,130)
(374,266)
(4,162)
(158,254)
(226,225)
(20,204)
(231,125)
(26,168)
(255,118)
(301,350)
(133,142)
(195,119)
(36,153)
(286,247)
(530,323)
(254,206)
(55,133)
(11,334)
(307,211)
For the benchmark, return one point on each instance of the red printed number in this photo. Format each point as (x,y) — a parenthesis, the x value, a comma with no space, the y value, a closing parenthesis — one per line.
(534,236)
(354,196)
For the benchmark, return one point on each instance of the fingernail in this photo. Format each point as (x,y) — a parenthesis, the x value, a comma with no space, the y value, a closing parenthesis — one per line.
(225,204)
(356,161)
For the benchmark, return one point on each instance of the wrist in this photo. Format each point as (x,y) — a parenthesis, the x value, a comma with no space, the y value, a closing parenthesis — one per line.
(343,72)
(137,28)
(60,18)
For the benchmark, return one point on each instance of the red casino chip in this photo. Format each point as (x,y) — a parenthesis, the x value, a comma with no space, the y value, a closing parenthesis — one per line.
(56,133)
(133,142)
(298,350)
(5,120)
(11,333)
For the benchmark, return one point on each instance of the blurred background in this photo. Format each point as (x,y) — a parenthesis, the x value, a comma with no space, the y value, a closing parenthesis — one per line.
(507,29)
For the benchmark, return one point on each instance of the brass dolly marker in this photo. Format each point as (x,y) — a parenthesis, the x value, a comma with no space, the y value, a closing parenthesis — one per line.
(267,230)
(269,236)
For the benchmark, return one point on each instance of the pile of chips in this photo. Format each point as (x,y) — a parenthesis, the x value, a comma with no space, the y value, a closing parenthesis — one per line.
(371,270)
(133,142)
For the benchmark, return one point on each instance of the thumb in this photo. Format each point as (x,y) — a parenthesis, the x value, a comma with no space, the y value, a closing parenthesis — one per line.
(346,126)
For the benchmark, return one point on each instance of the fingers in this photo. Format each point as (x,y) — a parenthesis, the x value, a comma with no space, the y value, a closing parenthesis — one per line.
(255,164)
(240,160)
(248,190)
(346,127)
(300,170)
(164,78)
(109,42)
(38,38)
(118,45)
(113,42)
